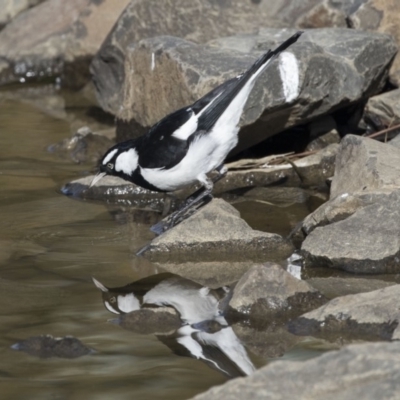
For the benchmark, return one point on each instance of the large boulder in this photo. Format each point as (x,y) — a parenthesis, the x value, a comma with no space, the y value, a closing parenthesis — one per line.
(363,371)
(372,315)
(11,8)
(56,39)
(159,75)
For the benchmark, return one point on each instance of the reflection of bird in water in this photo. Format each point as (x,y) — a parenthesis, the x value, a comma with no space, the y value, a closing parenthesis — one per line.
(204,334)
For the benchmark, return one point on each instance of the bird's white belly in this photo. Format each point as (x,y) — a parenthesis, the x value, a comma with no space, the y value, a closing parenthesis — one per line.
(204,155)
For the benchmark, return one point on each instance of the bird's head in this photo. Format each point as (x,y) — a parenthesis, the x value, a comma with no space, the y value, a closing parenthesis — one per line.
(121,160)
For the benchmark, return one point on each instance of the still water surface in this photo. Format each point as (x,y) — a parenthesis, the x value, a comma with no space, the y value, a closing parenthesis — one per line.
(50,247)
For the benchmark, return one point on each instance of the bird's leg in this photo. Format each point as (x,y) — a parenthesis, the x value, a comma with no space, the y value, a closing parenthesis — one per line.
(200,195)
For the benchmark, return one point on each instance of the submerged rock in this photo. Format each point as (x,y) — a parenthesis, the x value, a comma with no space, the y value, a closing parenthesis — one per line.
(228,238)
(146,95)
(268,291)
(373,315)
(363,371)
(46,346)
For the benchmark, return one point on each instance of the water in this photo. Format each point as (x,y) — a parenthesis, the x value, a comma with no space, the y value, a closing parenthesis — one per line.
(50,247)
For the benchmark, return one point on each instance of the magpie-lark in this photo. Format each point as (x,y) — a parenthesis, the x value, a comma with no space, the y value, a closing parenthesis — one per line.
(186,145)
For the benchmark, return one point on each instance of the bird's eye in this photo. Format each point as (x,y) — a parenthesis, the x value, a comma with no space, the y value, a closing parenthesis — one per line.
(110,165)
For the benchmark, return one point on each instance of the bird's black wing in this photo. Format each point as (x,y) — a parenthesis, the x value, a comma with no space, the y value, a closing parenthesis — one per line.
(227,93)
(158,148)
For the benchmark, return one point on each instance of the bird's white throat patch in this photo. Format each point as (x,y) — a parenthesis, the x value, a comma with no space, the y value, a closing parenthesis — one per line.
(127,161)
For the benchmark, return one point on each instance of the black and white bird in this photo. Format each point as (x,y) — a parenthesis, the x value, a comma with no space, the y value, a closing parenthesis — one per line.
(186,145)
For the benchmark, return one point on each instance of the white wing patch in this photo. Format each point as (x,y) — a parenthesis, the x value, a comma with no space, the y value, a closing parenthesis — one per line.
(188,128)
(109,156)
(289,72)
(127,161)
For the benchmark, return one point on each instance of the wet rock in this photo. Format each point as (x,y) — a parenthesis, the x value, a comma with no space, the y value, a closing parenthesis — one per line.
(373,315)
(160,320)
(385,108)
(11,8)
(366,371)
(56,39)
(84,145)
(150,18)
(271,342)
(267,291)
(365,165)
(46,346)
(147,95)
(279,196)
(228,238)
(335,287)
(365,242)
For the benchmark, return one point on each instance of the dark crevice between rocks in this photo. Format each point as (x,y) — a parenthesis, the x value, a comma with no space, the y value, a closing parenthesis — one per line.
(331,328)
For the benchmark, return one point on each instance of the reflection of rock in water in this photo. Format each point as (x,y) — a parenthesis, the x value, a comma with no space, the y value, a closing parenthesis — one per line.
(155,305)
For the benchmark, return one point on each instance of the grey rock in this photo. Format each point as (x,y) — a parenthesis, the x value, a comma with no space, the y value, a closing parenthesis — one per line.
(150,18)
(279,196)
(159,320)
(322,57)
(363,371)
(46,346)
(228,238)
(340,208)
(365,242)
(365,165)
(56,39)
(11,8)
(371,315)
(335,287)
(385,107)
(268,291)
(395,141)
(380,16)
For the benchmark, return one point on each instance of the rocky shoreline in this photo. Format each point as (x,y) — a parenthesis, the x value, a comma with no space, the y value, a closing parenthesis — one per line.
(322,124)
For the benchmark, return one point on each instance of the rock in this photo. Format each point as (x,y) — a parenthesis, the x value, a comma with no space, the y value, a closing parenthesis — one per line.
(228,238)
(366,242)
(272,341)
(150,18)
(279,196)
(395,142)
(56,39)
(385,108)
(11,8)
(365,165)
(84,145)
(268,291)
(46,346)
(364,371)
(380,16)
(159,320)
(163,64)
(372,315)
(335,287)
(339,208)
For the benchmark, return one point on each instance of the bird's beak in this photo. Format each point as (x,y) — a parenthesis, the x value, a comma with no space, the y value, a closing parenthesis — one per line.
(97,178)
